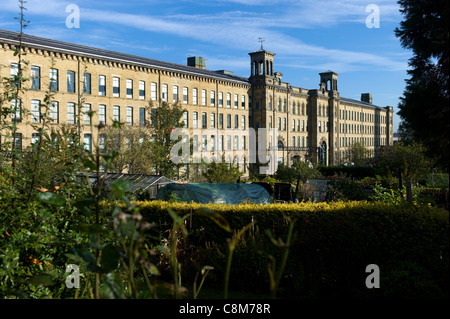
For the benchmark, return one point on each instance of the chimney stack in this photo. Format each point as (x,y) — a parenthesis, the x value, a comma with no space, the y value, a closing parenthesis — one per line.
(366,97)
(196,62)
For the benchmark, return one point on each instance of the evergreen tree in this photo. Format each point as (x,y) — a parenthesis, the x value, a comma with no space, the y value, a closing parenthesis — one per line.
(424,107)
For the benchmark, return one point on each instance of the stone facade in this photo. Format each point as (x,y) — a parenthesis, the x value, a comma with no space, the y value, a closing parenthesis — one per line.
(317,124)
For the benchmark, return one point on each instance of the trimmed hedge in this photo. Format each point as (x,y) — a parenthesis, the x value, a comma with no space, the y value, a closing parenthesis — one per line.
(333,244)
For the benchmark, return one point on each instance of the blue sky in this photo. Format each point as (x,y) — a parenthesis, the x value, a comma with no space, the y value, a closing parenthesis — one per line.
(308,36)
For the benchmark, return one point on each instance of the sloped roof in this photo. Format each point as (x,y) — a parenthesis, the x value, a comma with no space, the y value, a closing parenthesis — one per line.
(136,181)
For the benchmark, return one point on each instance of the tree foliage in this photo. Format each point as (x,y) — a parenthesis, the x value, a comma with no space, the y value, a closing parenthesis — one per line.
(424,107)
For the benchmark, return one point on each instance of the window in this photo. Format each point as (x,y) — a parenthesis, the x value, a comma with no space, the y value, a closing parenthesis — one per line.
(221,143)
(279,105)
(101,85)
(87,115)
(204,120)
(141,90)
(54,111)
(35,138)
(14,74)
(186,118)
(204,142)
(129,115)
(243,142)
(87,142)
(16,110)
(236,142)
(228,120)
(213,98)
(228,142)
(194,96)
(116,113)
(284,124)
(279,123)
(213,142)
(101,141)
(293,125)
(236,101)
(54,80)
(35,77)
(220,120)
(102,114)
(213,120)
(195,142)
(70,113)
(35,111)
(17,140)
(204,97)
(236,121)
(185,95)
(142,116)
(243,102)
(153,92)
(129,88)
(87,83)
(70,81)
(228,100)
(165,90)
(220,99)
(195,120)
(175,93)
(116,87)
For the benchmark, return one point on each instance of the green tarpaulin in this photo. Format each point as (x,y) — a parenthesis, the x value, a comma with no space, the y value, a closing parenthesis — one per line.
(219,193)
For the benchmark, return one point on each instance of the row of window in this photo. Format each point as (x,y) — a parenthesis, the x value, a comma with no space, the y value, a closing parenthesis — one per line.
(225,143)
(54,76)
(361,116)
(212,120)
(361,129)
(365,141)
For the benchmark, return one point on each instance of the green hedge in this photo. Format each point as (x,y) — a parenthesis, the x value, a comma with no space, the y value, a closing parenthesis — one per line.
(332,246)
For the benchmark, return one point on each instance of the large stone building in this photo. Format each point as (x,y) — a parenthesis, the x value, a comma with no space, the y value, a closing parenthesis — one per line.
(220,107)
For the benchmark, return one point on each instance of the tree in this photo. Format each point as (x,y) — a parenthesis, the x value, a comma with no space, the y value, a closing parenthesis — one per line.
(424,107)
(222,172)
(358,154)
(164,119)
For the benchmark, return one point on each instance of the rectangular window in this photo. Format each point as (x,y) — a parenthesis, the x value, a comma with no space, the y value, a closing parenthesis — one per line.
(129,115)
(220,99)
(195,120)
(236,142)
(243,122)
(70,81)
(236,102)
(35,111)
(213,98)
(243,142)
(17,141)
(228,142)
(243,102)
(204,97)
(204,125)
(236,121)
(16,112)
(87,111)
(220,120)
(195,142)
(194,96)
(185,95)
(87,142)
(228,100)
(101,141)
(70,113)
(141,90)
(35,138)
(53,80)
(186,118)
(129,89)
(284,124)
(175,93)
(228,120)
(213,120)
(35,77)
(221,143)
(116,87)
(87,83)
(116,113)
(165,90)
(54,111)
(153,91)
(204,142)
(142,116)
(102,114)
(102,85)
(213,142)
(293,125)
(14,74)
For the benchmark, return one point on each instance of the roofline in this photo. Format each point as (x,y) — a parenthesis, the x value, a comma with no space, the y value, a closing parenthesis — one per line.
(122,57)
(360,103)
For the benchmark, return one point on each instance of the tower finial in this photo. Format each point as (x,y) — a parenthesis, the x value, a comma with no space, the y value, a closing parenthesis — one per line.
(261,40)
